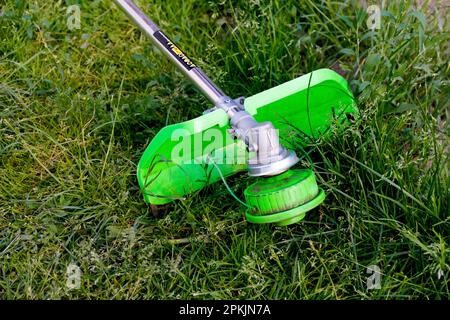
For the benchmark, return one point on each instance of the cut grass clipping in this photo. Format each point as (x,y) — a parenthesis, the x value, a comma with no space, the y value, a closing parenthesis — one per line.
(78,107)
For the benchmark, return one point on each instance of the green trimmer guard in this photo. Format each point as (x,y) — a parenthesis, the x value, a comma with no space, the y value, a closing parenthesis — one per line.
(257,134)
(310,104)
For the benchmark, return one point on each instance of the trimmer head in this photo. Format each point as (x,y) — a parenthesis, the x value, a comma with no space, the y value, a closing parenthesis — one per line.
(254,133)
(283,199)
(164,180)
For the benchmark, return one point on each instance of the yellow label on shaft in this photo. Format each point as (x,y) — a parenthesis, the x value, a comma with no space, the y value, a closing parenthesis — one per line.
(174,50)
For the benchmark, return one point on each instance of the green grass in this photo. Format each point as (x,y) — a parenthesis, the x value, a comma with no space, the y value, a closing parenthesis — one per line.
(77,109)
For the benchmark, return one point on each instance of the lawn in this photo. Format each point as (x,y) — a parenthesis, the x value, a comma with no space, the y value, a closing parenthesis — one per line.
(78,107)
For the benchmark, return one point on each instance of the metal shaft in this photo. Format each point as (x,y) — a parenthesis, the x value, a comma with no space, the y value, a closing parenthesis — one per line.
(197,76)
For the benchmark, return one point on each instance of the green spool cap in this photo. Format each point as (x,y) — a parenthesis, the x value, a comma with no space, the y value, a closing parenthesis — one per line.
(283,199)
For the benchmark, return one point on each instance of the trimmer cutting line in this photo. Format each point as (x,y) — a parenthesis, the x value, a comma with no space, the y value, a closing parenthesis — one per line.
(280,195)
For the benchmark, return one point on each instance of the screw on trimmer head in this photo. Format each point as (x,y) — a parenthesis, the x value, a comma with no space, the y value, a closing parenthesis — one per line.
(283,199)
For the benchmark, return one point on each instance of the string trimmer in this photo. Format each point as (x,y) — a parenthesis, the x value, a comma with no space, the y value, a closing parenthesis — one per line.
(242,134)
